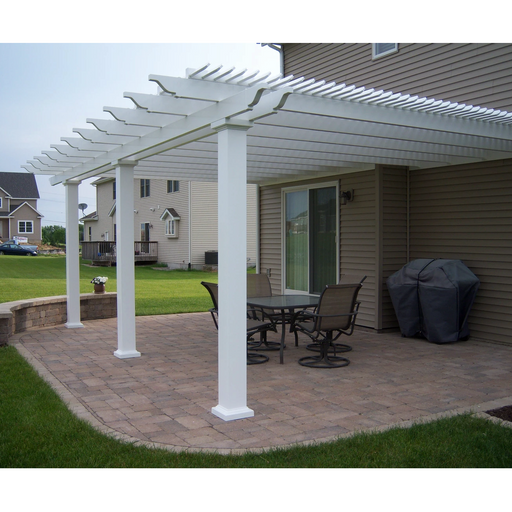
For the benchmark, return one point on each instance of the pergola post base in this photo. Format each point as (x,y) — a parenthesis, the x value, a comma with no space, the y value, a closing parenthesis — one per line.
(232,414)
(74,325)
(126,355)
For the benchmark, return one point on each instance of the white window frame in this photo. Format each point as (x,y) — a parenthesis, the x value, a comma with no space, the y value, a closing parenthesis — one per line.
(171,186)
(25,230)
(171,228)
(145,188)
(299,188)
(376,54)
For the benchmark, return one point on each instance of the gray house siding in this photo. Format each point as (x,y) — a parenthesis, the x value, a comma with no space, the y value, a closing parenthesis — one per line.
(465,213)
(195,203)
(474,74)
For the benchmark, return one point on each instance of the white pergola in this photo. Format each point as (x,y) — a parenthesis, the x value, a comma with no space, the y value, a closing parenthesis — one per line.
(241,127)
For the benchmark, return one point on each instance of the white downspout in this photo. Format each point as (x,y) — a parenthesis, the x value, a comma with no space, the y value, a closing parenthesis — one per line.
(258,237)
(189,224)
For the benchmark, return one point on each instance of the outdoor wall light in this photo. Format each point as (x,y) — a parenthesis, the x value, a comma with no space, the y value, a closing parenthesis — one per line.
(347,197)
(135,211)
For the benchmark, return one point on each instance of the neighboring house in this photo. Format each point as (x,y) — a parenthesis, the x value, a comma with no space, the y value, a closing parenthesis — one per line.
(18,207)
(400,214)
(181,216)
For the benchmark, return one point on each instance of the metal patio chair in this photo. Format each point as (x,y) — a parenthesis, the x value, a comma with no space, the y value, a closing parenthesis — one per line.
(254,324)
(258,285)
(334,316)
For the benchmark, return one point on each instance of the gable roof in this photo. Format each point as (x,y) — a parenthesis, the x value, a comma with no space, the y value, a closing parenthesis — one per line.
(19,207)
(90,216)
(19,185)
(170,212)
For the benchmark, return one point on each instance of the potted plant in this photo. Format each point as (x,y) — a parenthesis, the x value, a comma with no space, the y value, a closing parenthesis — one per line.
(99,284)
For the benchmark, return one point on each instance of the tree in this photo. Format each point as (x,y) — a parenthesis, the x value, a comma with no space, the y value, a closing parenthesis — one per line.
(54,235)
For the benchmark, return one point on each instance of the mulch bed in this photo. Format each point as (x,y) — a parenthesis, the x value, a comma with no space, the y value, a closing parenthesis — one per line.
(503,413)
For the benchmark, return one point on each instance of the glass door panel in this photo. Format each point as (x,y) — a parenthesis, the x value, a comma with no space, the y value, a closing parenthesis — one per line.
(296,240)
(310,239)
(322,238)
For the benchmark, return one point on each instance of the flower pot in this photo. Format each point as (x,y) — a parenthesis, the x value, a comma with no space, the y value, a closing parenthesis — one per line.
(99,288)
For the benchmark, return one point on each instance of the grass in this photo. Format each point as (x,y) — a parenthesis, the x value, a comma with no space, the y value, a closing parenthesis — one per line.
(157,292)
(38,431)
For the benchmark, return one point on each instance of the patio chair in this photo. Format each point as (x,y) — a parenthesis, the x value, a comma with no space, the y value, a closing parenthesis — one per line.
(258,285)
(254,325)
(334,316)
(344,279)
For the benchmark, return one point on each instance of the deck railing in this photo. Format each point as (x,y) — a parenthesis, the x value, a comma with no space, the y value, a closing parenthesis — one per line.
(104,253)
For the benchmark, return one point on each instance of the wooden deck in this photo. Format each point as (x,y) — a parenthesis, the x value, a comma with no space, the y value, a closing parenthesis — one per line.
(104,253)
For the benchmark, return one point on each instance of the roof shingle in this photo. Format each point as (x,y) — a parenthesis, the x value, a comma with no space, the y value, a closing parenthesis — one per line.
(19,184)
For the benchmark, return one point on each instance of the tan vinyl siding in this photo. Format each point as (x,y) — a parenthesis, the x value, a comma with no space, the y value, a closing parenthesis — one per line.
(270,235)
(394,236)
(465,213)
(358,239)
(474,74)
(252,214)
(173,251)
(204,220)
(358,236)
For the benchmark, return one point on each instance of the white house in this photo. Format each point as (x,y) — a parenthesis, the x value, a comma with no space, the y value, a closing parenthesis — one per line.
(181,216)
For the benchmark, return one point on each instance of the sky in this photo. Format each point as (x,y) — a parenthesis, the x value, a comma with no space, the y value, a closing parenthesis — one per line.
(47,89)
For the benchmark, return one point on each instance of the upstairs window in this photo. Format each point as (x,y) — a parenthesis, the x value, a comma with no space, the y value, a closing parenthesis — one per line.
(0,202)
(144,188)
(173,186)
(382,49)
(113,190)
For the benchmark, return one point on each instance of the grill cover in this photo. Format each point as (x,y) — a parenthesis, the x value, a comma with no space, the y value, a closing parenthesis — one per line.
(433,298)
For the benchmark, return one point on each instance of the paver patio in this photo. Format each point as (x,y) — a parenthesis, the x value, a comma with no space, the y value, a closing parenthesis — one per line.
(164,398)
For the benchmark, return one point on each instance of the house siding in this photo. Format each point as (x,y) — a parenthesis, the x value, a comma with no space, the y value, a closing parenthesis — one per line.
(358,240)
(394,239)
(175,252)
(270,235)
(474,74)
(465,213)
(25,213)
(358,236)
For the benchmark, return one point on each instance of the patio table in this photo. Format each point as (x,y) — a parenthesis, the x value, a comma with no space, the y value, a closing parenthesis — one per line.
(284,303)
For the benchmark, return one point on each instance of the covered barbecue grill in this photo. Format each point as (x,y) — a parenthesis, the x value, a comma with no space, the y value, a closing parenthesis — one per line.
(433,298)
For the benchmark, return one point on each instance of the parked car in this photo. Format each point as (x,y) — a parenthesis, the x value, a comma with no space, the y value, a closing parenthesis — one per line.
(15,242)
(20,250)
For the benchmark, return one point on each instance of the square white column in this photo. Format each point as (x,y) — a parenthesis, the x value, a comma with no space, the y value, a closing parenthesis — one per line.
(125,262)
(72,257)
(232,219)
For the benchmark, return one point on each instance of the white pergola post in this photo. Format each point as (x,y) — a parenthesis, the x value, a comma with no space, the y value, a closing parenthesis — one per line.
(72,257)
(232,243)
(125,262)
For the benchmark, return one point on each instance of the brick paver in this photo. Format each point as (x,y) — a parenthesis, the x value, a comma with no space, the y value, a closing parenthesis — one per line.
(164,398)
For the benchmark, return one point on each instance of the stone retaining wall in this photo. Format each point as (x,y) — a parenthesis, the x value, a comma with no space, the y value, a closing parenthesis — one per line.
(21,315)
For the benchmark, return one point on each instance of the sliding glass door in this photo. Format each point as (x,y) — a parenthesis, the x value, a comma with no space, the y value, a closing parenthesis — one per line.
(310,246)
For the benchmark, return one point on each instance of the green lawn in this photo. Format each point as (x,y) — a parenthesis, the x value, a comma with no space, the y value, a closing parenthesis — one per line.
(157,292)
(38,431)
